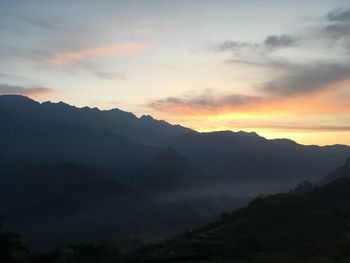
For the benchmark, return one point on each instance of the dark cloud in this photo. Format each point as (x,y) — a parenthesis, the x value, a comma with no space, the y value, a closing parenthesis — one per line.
(307,78)
(235,45)
(207,100)
(280,41)
(336,31)
(271,42)
(288,78)
(6,89)
(339,15)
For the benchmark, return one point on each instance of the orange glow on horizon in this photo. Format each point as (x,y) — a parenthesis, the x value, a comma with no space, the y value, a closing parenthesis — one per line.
(307,118)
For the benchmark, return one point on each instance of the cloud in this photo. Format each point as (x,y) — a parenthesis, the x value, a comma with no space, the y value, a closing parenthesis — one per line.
(270,43)
(97,70)
(336,31)
(211,104)
(107,50)
(50,23)
(339,15)
(294,125)
(310,78)
(208,101)
(235,45)
(110,75)
(6,89)
(318,57)
(294,84)
(280,41)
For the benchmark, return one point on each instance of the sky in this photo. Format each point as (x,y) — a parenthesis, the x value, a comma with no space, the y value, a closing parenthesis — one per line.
(279,68)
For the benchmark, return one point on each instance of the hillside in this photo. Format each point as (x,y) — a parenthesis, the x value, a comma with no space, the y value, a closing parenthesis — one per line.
(268,228)
(342,171)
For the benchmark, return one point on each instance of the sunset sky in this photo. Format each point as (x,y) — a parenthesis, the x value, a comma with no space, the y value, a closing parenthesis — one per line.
(277,67)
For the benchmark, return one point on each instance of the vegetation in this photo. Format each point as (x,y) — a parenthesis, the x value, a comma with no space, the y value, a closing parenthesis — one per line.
(308,227)
(11,249)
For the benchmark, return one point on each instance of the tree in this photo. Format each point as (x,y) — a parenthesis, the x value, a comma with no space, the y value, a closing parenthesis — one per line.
(11,248)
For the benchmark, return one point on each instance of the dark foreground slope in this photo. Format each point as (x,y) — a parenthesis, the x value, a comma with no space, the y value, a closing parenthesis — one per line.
(308,228)
(271,228)
(59,204)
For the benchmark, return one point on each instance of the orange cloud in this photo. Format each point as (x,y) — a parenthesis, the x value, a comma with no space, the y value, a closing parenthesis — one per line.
(33,92)
(107,50)
(333,100)
(42,93)
(307,118)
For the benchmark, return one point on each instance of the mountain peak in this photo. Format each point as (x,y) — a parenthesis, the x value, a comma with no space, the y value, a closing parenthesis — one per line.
(147,118)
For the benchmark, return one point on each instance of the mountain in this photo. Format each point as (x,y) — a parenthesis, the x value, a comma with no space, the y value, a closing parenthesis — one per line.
(60,132)
(114,156)
(241,156)
(144,130)
(71,174)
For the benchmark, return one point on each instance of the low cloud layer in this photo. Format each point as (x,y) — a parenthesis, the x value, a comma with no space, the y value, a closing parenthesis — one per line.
(6,89)
(209,101)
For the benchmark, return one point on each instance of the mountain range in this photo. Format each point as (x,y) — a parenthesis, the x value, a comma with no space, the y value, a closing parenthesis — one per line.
(65,169)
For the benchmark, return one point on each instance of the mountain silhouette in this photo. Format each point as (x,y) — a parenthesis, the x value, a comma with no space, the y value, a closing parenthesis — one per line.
(71,174)
(144,130)
(237,156)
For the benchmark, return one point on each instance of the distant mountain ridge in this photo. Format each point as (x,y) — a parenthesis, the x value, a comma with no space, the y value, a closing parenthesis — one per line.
(144,130)
(248,156)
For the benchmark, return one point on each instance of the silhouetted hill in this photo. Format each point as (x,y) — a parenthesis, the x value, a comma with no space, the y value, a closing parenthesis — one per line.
(280,223)
(51,204)
(25,139)
(238,156)
(144,130)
